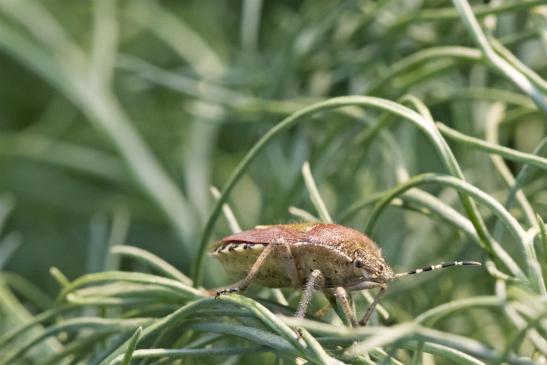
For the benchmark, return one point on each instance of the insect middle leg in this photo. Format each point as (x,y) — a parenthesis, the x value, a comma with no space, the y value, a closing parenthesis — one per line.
(315,279)
(284,250)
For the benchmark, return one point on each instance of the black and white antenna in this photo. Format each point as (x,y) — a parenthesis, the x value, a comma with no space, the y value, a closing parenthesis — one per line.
(439,266)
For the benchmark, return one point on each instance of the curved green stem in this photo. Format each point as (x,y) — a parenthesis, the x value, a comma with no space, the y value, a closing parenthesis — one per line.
(495,60)
(508,153)
(429,54)
(419,121)
(479,10)
(152,260)
(523,174)
(520,235)
(436,313)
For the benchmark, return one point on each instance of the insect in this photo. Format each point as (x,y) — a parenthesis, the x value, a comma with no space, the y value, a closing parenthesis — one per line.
(307,256)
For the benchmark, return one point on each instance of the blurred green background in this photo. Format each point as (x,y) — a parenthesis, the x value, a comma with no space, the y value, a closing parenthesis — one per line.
(195,80)
(116,117)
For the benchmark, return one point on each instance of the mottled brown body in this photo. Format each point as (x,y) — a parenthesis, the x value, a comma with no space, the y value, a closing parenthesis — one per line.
(330,248)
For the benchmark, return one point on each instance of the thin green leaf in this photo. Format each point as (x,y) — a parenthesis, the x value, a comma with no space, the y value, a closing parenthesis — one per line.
(316,199)
(131,347)
(152,260)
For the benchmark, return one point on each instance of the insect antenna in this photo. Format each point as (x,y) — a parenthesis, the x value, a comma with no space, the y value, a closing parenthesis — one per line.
(439,266)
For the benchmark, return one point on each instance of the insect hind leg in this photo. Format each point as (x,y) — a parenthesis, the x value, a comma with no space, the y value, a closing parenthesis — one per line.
(284,249)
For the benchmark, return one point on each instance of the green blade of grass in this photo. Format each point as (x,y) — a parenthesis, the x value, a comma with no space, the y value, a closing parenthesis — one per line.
(189,353)
(315,197)
(497,62)
(459,357)
(99,324)
(508,153)
(131,347)
(185,291)
(228,213)
(152,260)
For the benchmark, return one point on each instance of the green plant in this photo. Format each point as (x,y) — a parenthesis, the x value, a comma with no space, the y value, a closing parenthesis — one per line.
(258,105)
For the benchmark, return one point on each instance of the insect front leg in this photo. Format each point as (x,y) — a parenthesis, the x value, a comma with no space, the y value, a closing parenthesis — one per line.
(376,300)
(315,279)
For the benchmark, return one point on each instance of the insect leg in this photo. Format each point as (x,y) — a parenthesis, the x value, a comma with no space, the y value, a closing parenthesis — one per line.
(342,296)
(368,313)
(243,284)
(291,265)
(314,279)
(334,303)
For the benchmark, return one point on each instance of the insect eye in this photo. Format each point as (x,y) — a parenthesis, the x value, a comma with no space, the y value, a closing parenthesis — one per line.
(358,263)
(381,268)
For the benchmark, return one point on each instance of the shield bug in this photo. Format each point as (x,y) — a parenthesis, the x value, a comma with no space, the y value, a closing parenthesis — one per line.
(306,256)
